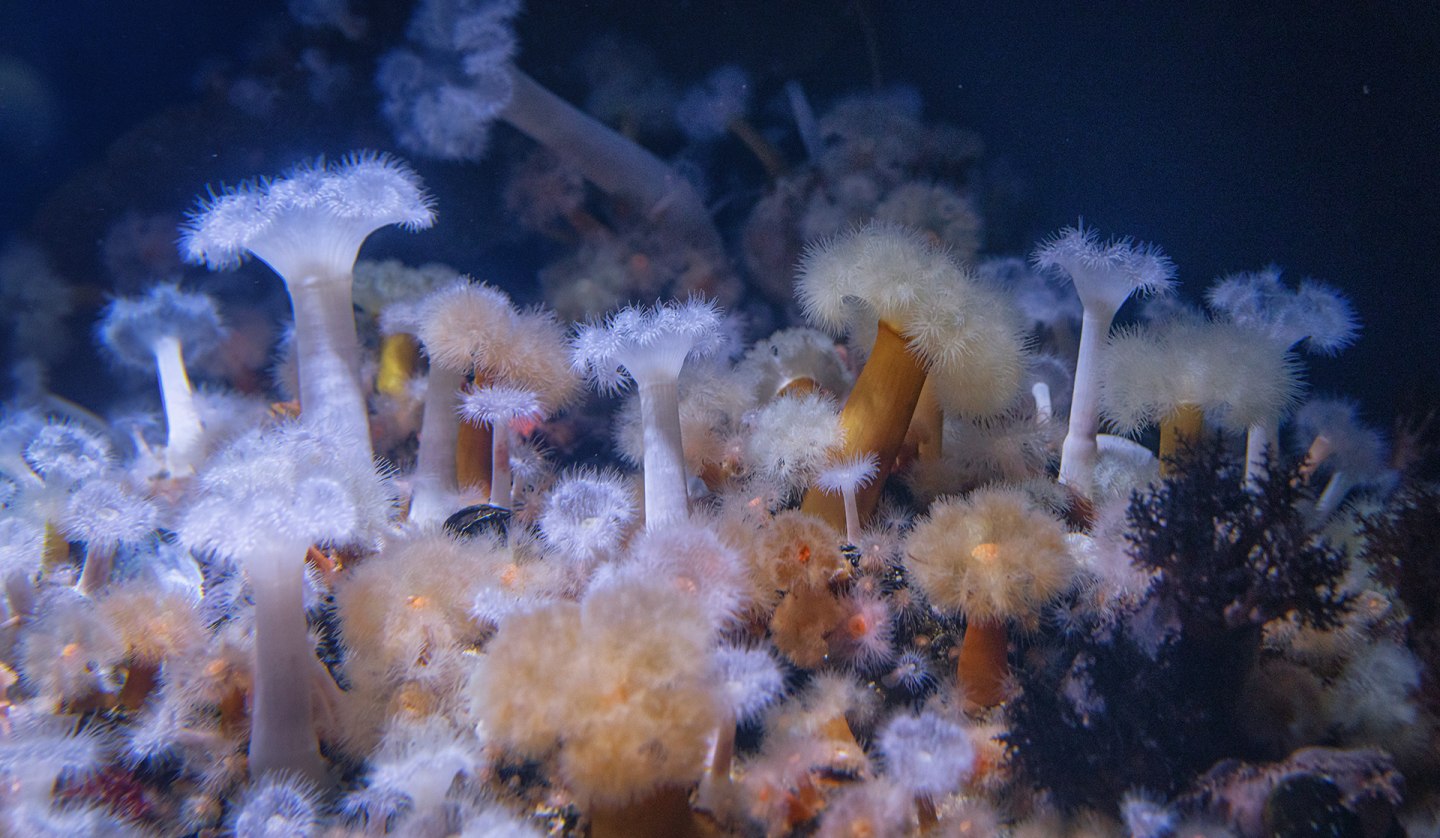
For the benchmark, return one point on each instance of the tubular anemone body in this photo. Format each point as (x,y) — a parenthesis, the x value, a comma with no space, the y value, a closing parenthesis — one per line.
(308,226)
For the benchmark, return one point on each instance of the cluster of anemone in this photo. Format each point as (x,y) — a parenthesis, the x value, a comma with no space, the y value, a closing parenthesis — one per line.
(892,557)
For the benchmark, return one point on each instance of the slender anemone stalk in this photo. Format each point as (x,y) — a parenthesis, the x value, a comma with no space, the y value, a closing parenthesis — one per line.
(264,501)
(846,476)
(649,346)
(308,226)
(156,332)
(460,326)
(1314,314)
(498,406)
(1105,275)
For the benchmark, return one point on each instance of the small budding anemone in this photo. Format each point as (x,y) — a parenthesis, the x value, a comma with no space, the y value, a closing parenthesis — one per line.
(497,406)
(156,332)
(847,476)
(649,346)
(994,557)
(308,226)
(587,515)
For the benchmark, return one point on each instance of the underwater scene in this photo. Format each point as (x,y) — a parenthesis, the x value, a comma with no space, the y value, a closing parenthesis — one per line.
(737,418)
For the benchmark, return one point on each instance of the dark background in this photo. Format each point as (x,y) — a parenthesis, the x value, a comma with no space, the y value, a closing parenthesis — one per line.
(1232,134)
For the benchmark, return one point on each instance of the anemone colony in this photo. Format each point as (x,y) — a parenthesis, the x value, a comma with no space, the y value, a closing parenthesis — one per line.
(877,572)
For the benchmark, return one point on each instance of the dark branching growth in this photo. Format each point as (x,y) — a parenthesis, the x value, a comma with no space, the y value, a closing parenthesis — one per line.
(1098,718)
(1153,705)
(1400,542)
(1229,557)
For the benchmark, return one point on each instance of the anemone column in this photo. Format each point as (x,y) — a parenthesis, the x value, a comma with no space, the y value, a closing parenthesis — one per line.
(308,227)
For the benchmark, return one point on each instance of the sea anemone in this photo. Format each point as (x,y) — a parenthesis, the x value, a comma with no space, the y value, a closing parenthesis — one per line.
(927,319)
(1105,275)
(156,332)
(649,346)
(993,557)
(308,226)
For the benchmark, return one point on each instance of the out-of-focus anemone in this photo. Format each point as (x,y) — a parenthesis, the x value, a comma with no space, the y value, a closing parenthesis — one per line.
(690,558)
(155,333)
(441,99)
(461,326)
(939,213)
(1315,316)
(415,766)
(628,90)
(873,807)
(1011,448)
(39,751)
(67,454)
(72,653)
(403,610)
(750,678)
(389,293)
(648,346)
(1314,312)
(1045,300)
(1337,439)
(442,95)
(106,514)
(995,558)
(308,226)
(720,104)
(1105,274)
(795,360)
(35,302)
